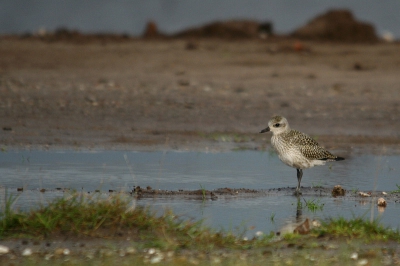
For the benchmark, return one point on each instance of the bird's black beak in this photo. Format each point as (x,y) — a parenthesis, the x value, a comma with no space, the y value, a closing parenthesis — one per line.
(265,130)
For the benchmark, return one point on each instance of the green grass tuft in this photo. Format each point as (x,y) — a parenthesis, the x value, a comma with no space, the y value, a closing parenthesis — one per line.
(314,205)
(358,228)
(97,216)
(397,190)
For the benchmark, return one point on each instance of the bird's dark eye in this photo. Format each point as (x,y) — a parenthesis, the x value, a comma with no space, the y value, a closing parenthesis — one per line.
(277,125)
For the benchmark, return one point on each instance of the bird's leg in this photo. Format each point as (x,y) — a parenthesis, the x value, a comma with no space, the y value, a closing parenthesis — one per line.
(299,176)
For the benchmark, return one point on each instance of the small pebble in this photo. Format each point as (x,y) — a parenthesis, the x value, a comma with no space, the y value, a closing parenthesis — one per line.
(151,251)
(362,262)
(156,258)
(66,252)
(58,251)
(354,256)
(316,223)
(382,202)
(27,252)
(4,249)
(259,233)
(130,250)
(338,191)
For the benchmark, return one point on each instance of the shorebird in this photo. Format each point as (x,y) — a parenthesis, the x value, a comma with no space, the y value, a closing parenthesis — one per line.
(296,149)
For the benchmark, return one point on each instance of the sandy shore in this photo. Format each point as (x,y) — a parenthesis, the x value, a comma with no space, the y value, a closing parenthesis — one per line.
(158,94)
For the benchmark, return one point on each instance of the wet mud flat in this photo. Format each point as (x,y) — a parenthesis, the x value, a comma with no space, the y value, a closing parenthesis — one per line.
(148,192)
(138,192)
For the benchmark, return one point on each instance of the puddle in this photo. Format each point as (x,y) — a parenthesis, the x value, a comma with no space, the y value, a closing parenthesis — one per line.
(120,171)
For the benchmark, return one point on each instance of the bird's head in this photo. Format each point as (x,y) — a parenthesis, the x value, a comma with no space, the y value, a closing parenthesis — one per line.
(277,125)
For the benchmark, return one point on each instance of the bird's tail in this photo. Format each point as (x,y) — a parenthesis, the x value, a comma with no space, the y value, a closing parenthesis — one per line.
(332,158)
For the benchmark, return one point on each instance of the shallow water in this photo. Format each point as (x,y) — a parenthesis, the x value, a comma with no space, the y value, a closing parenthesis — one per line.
(121,170)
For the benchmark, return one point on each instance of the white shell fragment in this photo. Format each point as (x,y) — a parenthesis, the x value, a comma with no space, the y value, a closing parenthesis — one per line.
(363,194)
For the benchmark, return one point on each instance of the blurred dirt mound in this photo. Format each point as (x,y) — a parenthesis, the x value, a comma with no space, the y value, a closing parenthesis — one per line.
(337,25)
(233,29)
(74,36)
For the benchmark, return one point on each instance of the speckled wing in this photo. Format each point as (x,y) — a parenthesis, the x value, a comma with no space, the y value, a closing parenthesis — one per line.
(309,147)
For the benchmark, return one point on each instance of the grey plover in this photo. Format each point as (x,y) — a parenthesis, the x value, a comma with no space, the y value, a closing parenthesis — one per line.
(295,148)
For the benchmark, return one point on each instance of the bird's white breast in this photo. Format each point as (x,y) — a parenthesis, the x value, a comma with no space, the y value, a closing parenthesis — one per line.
(291,154)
